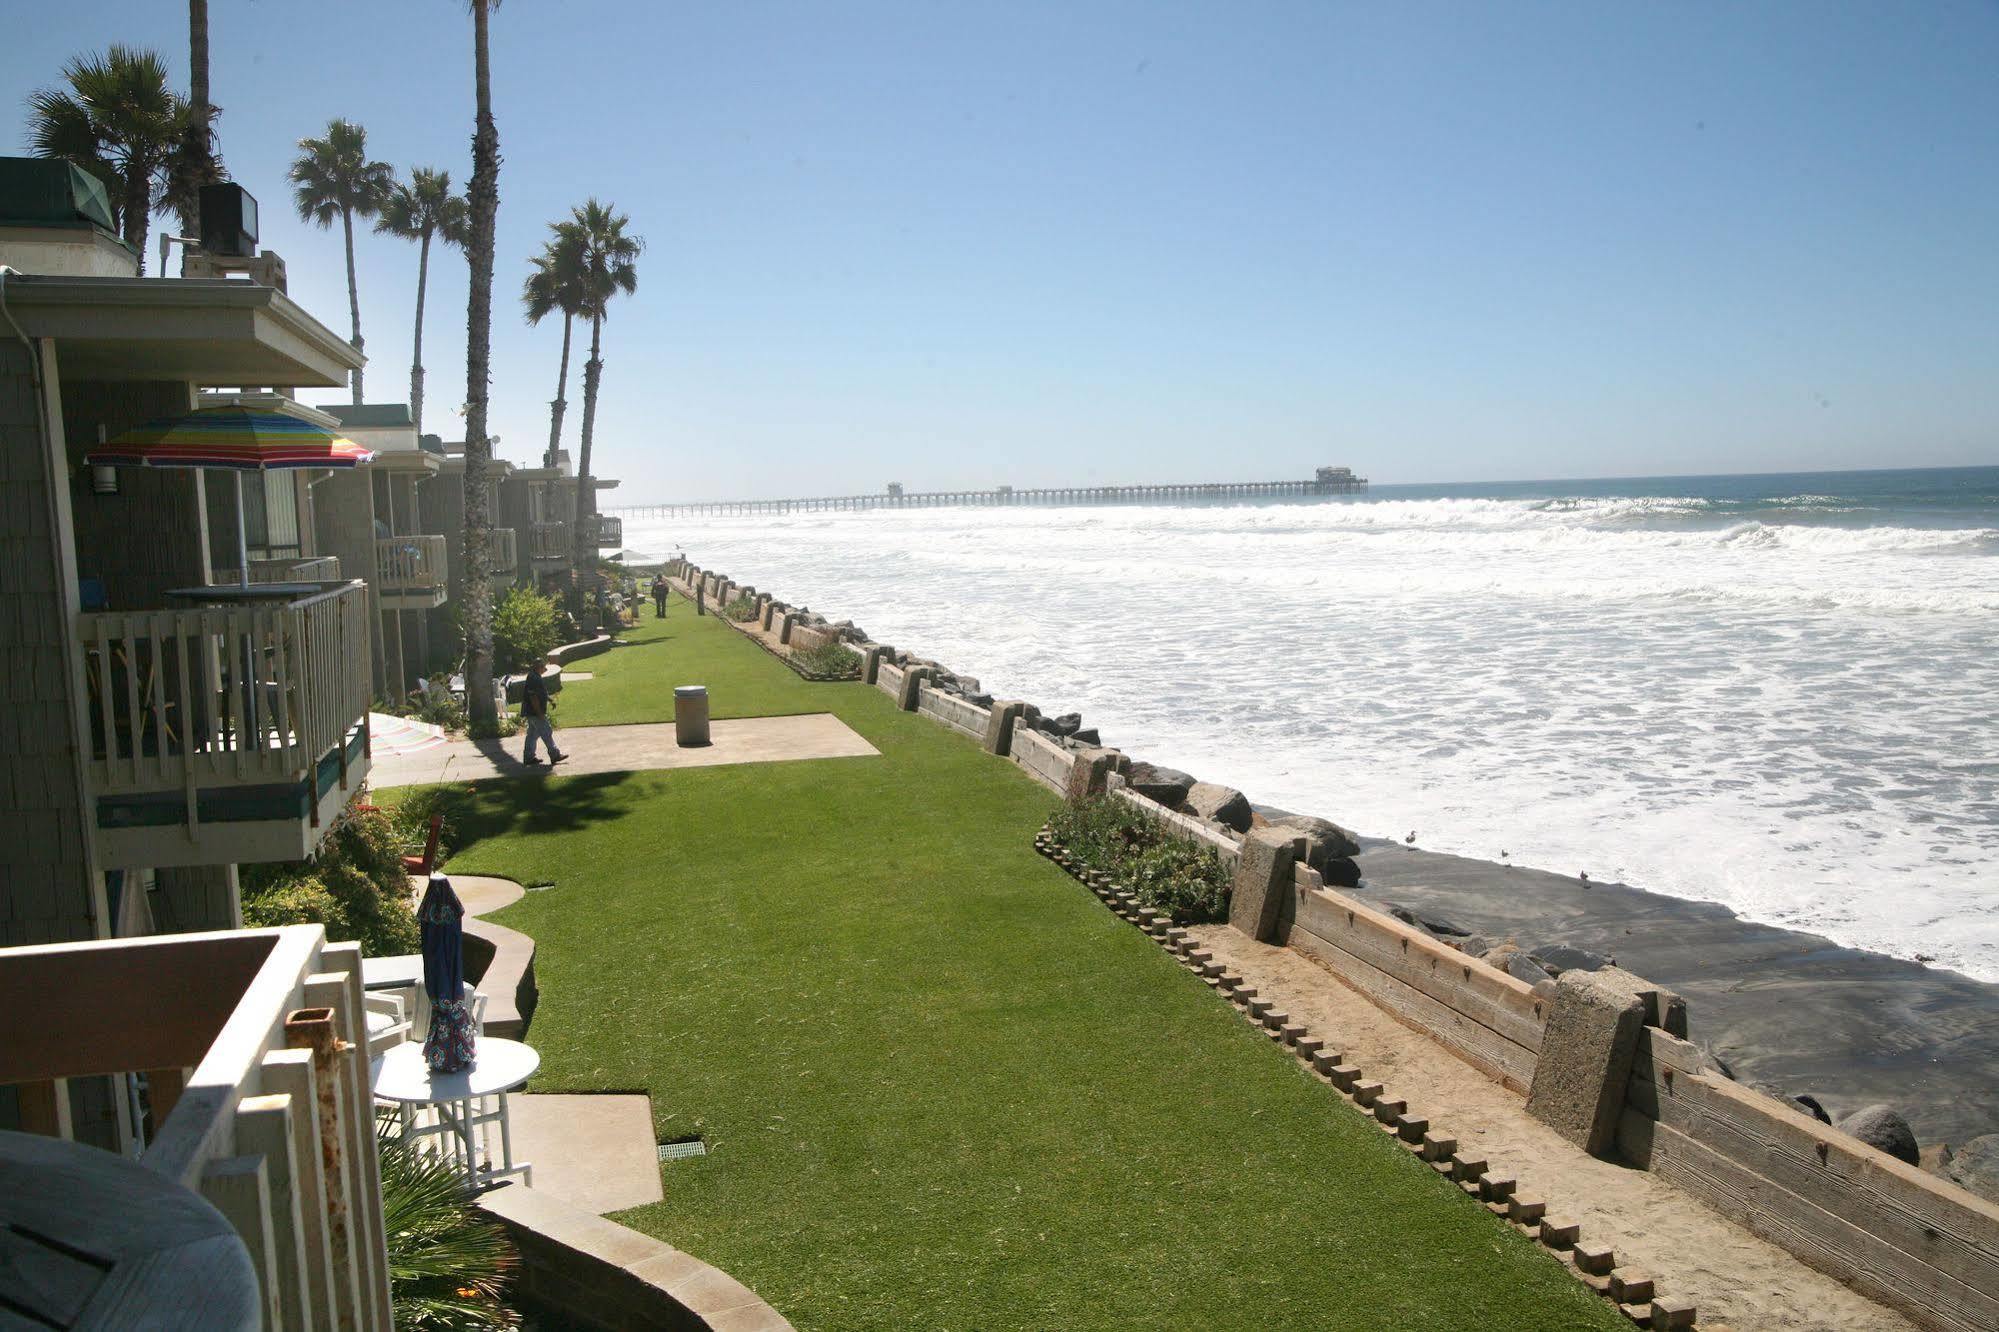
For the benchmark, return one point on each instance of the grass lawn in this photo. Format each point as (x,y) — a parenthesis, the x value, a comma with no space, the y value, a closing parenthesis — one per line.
(942,1086)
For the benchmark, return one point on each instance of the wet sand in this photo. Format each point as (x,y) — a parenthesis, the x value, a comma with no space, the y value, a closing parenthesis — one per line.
(1789,1011)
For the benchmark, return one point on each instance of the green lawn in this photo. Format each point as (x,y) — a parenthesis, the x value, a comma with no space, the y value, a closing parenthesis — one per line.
(942,1086)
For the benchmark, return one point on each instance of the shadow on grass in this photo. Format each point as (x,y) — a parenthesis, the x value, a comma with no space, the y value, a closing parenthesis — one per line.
(494,807)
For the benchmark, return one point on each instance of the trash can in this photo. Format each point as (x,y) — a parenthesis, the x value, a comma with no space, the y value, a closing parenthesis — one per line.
(690,715)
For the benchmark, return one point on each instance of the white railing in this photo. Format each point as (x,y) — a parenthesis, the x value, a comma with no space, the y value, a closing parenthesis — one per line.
(501,546)
(286,569)
(607,530)
(256,1105)
(410,563)
(223,695)
(549,541)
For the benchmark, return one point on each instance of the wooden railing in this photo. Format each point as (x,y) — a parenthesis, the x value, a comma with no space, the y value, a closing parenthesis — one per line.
(227,695)
(548,541)
(287,569)
(606,530)
(501,546)
(256,1103)
(410,563)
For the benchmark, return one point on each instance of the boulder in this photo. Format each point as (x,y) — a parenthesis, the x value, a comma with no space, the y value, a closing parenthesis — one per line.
(1340,872)
(1472,945)
(1882,1129)
(979,700)
(1324,838)
(1087,736)
(1067,724)
(1222,804)
(1524,968)
(1809,1104)
(1441,926)
(1558,958)
(1974,1166)
(1169,786)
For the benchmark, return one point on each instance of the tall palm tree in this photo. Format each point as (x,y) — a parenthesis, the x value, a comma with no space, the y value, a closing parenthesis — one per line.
(195,162)
(609,262)
(119,121)
(333,180)
(417,211)
(557,284)
(484,200)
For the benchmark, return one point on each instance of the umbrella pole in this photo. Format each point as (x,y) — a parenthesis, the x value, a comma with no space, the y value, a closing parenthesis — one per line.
(242,540)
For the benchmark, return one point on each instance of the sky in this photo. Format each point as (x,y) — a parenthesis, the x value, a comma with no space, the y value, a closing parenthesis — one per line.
(1046,243)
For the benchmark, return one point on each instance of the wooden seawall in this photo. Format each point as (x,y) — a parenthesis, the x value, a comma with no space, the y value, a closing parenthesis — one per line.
(1008,495)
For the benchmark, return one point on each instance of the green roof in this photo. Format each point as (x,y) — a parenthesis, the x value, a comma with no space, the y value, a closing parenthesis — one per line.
(45,191)
(371,415)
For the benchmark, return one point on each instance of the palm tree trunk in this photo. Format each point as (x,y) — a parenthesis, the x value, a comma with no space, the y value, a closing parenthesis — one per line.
(583,551)
(197,53)
(138,213)
(556,408)
(485,201)
(416,353)
(353,297)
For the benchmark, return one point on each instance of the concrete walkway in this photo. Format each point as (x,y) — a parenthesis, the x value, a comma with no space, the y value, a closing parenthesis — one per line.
(593,1152)
(640,748)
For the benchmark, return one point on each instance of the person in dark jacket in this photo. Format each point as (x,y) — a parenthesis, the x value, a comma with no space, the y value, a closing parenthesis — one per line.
(534,716)
(659,593)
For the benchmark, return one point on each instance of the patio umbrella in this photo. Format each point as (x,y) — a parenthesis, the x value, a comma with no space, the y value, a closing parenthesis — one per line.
(448,1045)
(235,439)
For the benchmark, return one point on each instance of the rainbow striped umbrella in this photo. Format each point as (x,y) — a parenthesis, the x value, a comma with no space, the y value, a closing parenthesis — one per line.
(236,439)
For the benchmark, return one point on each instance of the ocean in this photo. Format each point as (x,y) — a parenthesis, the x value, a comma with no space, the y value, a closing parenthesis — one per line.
(1775,692)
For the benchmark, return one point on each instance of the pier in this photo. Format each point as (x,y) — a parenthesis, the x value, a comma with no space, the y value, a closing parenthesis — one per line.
(1328,481)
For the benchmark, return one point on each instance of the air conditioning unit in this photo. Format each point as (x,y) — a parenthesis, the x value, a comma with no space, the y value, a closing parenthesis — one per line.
(229,220)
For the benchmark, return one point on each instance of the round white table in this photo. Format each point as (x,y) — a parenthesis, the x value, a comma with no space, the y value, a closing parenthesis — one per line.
(456,1102)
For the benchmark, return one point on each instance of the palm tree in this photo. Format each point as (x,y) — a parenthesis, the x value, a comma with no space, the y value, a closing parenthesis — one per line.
(333,180)
(609,261)
(484,200)
(557,284)
(195,162)
(417,211)
(447,1265)
(119,121)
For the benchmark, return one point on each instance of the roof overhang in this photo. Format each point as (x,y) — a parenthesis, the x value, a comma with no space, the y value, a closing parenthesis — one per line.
(202,330)
(418,461)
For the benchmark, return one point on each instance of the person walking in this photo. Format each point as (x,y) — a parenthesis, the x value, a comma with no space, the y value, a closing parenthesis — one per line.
(659,593)
(534,716)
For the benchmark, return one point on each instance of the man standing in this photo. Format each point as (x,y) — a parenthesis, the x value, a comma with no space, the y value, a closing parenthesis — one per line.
(534,715)
(659,593)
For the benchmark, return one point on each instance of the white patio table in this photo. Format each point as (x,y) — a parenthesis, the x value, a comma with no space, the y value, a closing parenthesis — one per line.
(457,1101)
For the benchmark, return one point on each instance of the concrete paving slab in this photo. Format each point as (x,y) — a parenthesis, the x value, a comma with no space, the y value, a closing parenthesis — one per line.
(643,748)
(593,1152)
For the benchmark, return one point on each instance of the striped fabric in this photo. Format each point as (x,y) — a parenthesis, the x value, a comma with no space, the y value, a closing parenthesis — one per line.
(230,437)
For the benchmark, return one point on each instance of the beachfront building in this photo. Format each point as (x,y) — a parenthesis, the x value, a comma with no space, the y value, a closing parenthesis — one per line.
(165,724)
(544,503)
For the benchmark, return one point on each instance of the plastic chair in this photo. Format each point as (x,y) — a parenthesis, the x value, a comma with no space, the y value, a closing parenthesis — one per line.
(420,866)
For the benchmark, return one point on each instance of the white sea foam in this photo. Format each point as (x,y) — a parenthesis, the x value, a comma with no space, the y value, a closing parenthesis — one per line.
(1790,718)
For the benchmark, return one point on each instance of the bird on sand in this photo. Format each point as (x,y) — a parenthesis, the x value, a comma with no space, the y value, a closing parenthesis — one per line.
(1584,876)
(1410,839)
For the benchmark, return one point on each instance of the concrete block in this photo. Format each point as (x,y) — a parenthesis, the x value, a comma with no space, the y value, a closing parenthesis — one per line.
(999,725)
(871,661)
(1411,1128)
(1586,1055)
(1090,774)
(1275,1019)
(1292,1032)
(1344,1076)
(1465,1168)
(1308,1046)
(1671,1314)
(1437,1147)
(1527,1211)
(1630,1288)
(1387,1106)
(1496,1188)
(1366,1093)
(786,625)
(1596,1259)
(912,684)
(1559,1233)
(1263,878)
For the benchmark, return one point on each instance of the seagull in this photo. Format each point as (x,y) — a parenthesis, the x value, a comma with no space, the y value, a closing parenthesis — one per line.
(1410,839)
(1504,854)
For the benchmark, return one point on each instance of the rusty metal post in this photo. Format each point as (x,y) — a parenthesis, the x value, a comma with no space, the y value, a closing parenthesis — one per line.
(313,1029)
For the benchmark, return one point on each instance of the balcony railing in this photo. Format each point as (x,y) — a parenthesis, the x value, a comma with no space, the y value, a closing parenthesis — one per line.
(270,701)
(501,557)
(287,569)
(607,531)
(549,541)
(410,564)
(254,1103)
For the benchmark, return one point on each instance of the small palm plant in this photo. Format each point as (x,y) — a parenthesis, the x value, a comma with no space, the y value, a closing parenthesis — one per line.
(447,1267)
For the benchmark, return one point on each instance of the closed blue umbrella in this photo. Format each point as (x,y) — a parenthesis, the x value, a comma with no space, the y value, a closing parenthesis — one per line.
(448,1046)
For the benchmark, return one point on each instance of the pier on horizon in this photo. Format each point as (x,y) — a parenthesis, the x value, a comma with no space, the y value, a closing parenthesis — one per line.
(1327,481)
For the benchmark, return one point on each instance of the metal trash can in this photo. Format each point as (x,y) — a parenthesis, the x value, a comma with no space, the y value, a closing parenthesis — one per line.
(690,715)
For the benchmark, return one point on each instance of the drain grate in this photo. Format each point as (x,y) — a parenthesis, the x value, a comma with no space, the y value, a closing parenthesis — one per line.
(681,1151)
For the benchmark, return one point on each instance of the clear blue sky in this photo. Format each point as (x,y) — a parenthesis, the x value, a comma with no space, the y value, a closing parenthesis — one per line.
(1043,242)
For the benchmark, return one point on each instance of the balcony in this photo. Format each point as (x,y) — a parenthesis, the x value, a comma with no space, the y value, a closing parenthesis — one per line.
(286,569)
(253,1103)
(548,543)
(607,532)
(501,547)
(410,572)
(225,733)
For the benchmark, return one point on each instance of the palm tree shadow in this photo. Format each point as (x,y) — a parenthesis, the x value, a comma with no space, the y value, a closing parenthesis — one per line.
(524,800)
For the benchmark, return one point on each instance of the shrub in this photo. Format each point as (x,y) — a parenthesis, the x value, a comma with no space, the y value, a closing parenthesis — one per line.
(356,887)
(829,659)
(1182,878)
(409,820)
(500,728)
(448,1266)
(524,629)
(436,705)
(742,610)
